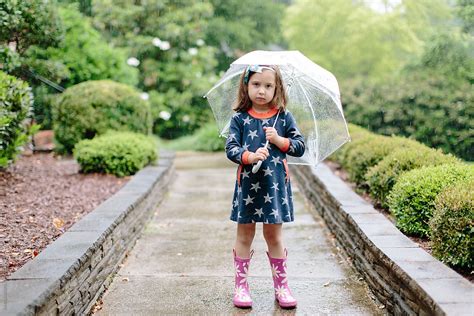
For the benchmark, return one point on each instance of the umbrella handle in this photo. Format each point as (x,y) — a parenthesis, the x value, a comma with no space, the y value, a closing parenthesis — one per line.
(257,166)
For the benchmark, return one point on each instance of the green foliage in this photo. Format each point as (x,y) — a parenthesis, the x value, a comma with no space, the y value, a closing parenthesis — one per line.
(452,225)
(83,55)
(383,176)
(93,107)
(350,39)
(167,39)
(26,23)
(465,10)
(369,152)
(431,101)
(205,139)
(118,153)
(243,25)
(16,100)
(412,199)
(9,60)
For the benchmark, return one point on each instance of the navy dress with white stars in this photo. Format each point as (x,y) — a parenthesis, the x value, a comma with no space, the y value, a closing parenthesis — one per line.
(266,195)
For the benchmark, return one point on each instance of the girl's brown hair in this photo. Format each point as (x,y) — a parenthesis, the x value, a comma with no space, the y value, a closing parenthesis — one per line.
(243,102)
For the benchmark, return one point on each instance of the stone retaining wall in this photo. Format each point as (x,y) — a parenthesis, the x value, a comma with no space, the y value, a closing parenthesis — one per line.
(72,272)
(402,275)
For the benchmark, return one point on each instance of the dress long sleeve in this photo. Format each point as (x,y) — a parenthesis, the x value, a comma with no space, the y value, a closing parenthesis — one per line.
(233,146)
(297,143)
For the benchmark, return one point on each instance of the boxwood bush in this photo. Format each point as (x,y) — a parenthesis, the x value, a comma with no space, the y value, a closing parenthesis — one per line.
(452,225)
(118,153)
(370,152)
(412,199)
(16,107)
(93,107)
(383,176)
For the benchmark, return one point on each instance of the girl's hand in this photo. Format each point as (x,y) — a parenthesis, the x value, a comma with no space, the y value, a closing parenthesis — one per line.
(272,136)
(261,154)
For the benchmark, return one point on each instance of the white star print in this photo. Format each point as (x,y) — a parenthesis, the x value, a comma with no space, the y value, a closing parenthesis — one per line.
(285,200)
(268,198)
(268,172)
(275,186)
(274,213)
(276,160)
(236,202)
(247,120)
(284,122)
(239,189)
(236,114)
(253,134)
(234,150)
(231,136)
(245,146)
(255,186)
(245,174)
(265,121)
(259,212)
(248,200)
(295,133)
(292,149)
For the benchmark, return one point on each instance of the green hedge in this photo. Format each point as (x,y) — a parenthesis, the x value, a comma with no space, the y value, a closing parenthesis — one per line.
(118,153)
(16,105)
(383,176)
(370,152)
(452,225)
(412,198)
(93,107)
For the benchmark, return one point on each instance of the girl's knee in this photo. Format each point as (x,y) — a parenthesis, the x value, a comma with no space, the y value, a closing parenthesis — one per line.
(246,233)
(272,233)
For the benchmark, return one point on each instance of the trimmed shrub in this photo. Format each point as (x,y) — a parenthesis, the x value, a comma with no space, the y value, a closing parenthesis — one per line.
(93,107)
(412,198)
(383,176)
(16,102)
(452,225)
(370,152)
(118,153)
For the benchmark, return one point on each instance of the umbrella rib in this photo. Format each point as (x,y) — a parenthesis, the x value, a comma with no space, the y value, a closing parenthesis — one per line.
(221,83)
(314,117)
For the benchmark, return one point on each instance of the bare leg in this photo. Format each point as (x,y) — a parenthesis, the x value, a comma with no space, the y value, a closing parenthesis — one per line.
(243,242)
(273,236)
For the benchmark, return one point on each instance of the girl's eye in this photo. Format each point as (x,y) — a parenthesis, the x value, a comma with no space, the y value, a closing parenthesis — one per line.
(269,85)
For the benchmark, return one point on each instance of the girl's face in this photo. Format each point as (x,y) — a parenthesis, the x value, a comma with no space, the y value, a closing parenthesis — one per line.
(261,88)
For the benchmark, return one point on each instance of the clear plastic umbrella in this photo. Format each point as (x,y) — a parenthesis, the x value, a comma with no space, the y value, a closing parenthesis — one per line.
(313,99)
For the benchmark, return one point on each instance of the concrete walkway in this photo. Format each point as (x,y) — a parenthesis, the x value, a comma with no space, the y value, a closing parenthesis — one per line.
(183,262)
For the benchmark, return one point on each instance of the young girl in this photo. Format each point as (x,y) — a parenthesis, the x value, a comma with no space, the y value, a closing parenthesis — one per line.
(264,196)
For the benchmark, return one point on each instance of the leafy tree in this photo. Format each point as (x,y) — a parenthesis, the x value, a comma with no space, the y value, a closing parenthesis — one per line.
(465,10)
(166,41)
(243,25)
(350,39)
(82,55)
(26,23)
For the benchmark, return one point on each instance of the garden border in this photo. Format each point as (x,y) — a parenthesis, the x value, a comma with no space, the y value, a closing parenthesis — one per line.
(402,275)
(69,275)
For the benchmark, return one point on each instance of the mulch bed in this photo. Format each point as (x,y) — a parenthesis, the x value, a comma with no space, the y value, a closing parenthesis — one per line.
(422,242)
(41,197)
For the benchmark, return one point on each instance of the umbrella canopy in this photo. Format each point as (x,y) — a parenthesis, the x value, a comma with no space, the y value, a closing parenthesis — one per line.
(313,99)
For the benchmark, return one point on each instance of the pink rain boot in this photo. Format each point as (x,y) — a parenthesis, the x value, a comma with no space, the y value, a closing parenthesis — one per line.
(242,293)
(280,282)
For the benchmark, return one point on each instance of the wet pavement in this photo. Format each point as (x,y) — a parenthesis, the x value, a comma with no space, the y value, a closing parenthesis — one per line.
(183,265)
